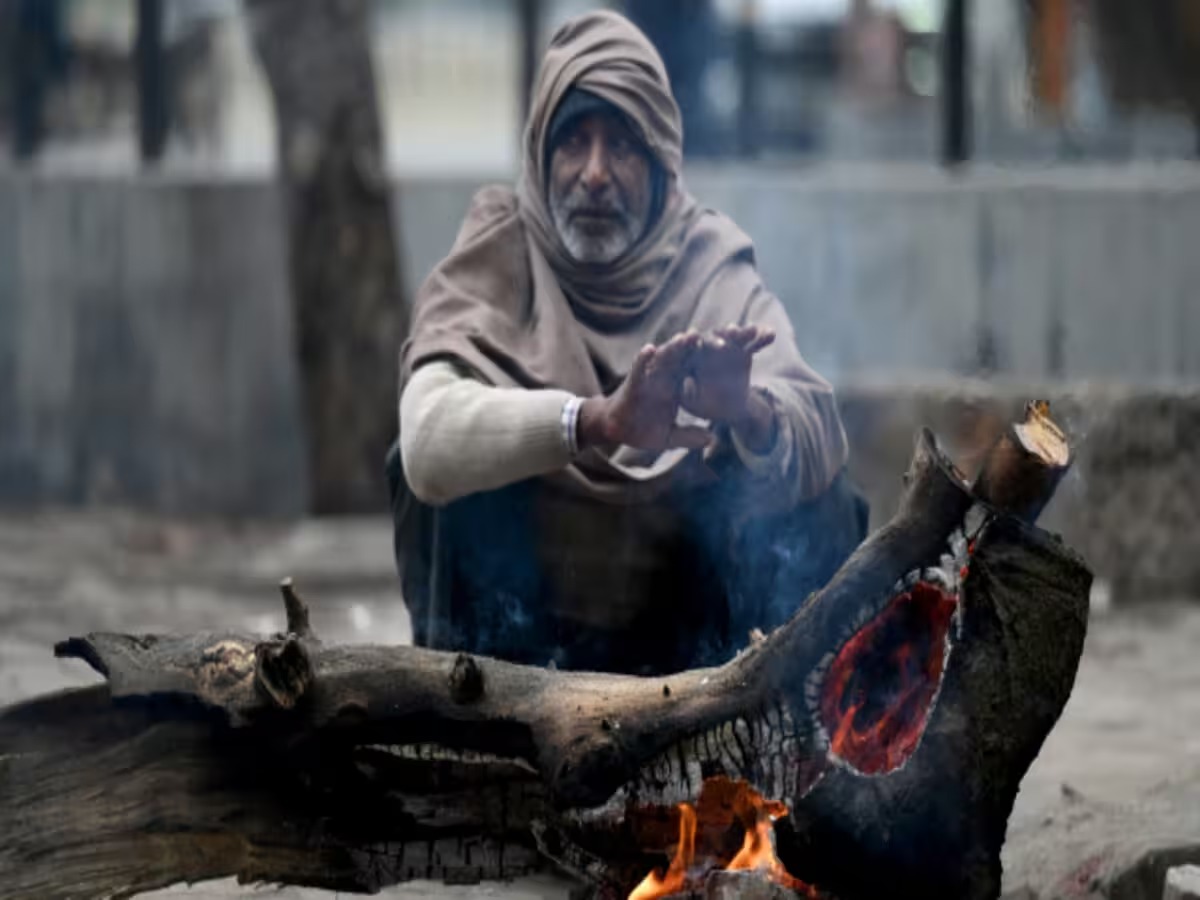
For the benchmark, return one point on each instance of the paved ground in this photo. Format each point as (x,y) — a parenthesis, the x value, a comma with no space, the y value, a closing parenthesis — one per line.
(1133,720)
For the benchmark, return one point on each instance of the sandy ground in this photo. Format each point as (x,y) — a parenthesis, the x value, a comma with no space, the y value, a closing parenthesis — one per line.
(1133,720)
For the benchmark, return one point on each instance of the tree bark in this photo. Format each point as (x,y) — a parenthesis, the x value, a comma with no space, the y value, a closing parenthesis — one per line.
(342,247)
(355,767)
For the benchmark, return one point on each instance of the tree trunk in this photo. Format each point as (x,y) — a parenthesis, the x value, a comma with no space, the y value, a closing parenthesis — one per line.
(893,717)
(342,247)
(956,94)
(154,115)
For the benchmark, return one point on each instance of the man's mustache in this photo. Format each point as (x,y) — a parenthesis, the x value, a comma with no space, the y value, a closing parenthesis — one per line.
(586,206)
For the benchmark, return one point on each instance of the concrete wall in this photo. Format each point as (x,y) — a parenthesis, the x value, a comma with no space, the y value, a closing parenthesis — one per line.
(145,337)
(1087,273)
(145,348)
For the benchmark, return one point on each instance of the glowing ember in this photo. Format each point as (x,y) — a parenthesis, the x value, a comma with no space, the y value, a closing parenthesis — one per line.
(881,685)
(721,802)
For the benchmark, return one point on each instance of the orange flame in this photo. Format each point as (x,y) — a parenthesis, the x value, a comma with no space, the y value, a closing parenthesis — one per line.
(758,849)
(655,885)
(720,802)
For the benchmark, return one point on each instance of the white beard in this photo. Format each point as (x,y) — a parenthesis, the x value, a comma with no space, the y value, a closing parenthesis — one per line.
(595,248)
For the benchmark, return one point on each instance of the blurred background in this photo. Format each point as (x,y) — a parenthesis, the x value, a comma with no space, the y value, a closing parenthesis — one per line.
(214,214)
(795,81)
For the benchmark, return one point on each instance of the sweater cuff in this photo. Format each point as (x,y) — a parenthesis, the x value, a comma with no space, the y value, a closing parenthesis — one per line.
(774,460)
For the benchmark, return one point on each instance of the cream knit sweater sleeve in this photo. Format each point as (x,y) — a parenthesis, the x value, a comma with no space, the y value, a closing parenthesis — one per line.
(459,436)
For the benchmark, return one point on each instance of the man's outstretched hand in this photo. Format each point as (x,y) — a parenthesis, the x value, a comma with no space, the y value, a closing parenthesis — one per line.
(641,412)
(717,386)
(709,376)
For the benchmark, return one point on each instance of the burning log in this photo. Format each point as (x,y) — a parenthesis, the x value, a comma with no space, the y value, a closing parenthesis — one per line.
(883,731)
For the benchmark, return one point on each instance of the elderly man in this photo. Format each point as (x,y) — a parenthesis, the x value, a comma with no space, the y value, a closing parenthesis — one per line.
(611,454)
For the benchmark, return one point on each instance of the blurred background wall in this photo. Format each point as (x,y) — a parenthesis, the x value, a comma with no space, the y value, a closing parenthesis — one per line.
(802,81)
(146,333)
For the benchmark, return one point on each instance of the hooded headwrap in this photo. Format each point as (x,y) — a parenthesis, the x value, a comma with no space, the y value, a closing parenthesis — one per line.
(512,305)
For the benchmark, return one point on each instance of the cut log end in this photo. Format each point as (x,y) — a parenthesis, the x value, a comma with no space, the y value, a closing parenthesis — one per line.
(1040,435)
(1021,471)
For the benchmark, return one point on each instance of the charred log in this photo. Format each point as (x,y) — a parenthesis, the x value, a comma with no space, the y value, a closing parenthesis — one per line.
(936,825)
(892,718)
(110,799)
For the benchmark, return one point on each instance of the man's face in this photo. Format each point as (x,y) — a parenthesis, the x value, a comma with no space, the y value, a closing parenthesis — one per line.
(599,188)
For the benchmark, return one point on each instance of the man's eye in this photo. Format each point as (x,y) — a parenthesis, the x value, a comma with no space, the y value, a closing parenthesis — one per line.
(621,147)
(573,142)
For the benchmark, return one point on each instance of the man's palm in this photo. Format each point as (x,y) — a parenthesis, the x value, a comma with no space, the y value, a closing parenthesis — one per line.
(718,385)
(642,411)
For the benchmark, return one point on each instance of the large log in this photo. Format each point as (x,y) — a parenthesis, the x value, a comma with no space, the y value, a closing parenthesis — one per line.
(893,716)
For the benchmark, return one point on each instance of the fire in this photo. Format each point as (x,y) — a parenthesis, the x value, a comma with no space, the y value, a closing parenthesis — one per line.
(655,885)
(758,848)
(881,684)
(722,801)
(874,704)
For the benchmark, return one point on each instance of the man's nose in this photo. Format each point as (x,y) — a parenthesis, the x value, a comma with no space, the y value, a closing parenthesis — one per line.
(596,174)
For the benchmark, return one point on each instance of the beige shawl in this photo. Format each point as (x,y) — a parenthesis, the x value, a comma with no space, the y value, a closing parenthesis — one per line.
(510,303)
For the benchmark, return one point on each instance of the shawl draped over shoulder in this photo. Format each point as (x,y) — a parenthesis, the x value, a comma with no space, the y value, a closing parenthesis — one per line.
(511,305)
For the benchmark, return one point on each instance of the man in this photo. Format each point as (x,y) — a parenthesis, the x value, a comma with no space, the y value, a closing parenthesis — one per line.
(611,453)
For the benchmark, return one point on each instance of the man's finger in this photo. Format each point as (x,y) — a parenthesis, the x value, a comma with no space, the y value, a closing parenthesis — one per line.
(711,344)
(688,338)
(641,364)
(736,334)
(690,437)
(753,338)
(765,338)
(676,351)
